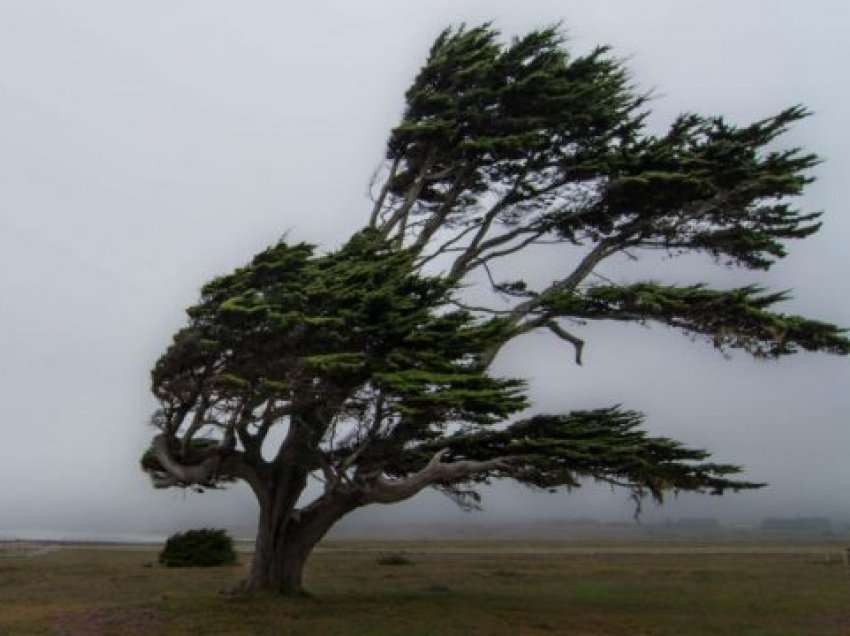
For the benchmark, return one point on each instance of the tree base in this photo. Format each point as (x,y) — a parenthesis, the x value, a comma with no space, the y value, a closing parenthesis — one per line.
(248,588)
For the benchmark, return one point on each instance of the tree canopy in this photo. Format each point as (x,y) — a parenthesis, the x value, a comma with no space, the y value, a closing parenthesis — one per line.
(375,366)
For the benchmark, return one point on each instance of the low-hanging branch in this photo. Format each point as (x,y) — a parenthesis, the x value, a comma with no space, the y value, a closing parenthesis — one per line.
(547,451)
(734,318)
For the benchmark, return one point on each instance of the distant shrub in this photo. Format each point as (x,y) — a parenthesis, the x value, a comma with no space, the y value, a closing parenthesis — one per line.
(206,547)
(394,559)
(508,574)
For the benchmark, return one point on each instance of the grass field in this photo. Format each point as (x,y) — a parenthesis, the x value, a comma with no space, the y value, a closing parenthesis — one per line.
(446,589)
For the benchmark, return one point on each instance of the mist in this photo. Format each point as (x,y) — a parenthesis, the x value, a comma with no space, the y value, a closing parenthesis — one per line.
(149,147)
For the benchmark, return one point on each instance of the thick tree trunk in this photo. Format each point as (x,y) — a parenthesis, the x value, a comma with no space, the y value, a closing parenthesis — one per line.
(285,540)
(279,561)
(278,568)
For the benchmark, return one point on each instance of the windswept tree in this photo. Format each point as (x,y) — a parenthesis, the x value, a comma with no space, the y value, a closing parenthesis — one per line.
(374,370)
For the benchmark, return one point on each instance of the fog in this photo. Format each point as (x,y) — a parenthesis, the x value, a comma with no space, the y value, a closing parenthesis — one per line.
(147,147)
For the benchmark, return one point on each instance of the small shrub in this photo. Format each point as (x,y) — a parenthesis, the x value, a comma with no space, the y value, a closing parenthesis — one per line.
(508,574)
(206,547)
(394,559)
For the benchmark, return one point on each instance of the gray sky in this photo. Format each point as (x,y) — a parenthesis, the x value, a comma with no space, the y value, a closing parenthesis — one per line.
(146,147)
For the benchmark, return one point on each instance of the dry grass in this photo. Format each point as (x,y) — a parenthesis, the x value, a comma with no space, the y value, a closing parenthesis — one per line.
(449,589)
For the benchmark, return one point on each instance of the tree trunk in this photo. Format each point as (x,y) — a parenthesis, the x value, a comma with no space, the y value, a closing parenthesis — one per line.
(286,539)
(278,569)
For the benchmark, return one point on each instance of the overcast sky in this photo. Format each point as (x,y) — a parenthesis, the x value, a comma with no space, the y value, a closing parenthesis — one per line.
(146,147)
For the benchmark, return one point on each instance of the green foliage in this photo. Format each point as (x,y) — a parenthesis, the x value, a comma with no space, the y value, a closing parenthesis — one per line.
(376,367)
(734,318)
(604,444)
(562,139)
(478,100)
(324,326)
(708,185)
(206,547)
(524,119)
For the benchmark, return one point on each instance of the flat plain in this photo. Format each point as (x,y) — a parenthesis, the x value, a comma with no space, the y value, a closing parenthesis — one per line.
(439,588)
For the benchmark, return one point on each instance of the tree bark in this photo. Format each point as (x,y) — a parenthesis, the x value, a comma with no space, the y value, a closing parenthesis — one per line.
(278,566)
(286,538)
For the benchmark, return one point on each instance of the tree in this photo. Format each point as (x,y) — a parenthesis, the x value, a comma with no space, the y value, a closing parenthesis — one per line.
(375,369)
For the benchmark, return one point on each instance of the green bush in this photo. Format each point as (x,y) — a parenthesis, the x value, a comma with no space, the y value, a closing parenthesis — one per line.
(394,559)
(198,548)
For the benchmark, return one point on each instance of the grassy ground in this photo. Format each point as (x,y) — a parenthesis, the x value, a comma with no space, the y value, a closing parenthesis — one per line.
(447,589)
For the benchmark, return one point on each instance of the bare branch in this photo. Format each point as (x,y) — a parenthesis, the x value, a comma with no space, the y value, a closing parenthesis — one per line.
(379,202)
(601,250)
(270,416)
(197,422)
(242,418)
(182,474)
(459,268)
(446,247)
(332,477)
(436,220)
(371,434)
(383,490)
(400,216)
(481,309)
(506,252)
(563,334)
(176,417)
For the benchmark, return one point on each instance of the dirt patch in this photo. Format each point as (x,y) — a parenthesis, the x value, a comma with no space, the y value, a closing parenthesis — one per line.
(108,620)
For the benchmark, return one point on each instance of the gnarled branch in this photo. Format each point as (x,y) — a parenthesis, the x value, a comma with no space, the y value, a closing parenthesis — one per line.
(176,473)
(383,490)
